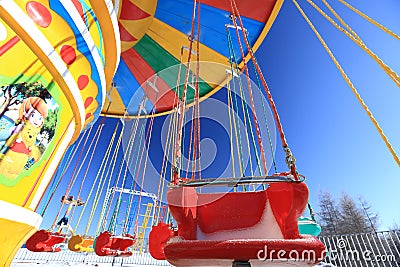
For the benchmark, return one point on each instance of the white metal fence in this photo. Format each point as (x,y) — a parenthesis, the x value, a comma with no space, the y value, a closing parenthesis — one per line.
(381,249)
(67,257)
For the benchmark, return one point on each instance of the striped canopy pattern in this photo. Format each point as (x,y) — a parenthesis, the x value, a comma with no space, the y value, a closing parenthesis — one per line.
(154,34)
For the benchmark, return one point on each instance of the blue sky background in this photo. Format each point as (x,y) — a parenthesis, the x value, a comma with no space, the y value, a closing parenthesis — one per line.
(336,145)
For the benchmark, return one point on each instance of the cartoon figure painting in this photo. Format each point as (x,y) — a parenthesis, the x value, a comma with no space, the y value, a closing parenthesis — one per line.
(22,148)
(21,143)
(33,109)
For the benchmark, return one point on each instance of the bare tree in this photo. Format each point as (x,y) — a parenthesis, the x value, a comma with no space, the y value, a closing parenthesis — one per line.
(347,216)
(371,217)
(353,219)
(395,227)
(329,214)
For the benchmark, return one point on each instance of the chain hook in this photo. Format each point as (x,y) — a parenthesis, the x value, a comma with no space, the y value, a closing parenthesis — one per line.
(290,161)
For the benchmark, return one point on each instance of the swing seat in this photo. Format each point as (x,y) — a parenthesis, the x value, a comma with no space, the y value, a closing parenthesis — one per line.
(45,241)
(308,226)
(108,245)
(234,226)
(78,243)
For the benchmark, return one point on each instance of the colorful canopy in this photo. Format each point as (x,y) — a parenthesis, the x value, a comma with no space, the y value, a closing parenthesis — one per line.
(155,34)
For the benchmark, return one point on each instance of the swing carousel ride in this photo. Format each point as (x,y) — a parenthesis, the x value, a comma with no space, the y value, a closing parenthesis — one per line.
(67,65)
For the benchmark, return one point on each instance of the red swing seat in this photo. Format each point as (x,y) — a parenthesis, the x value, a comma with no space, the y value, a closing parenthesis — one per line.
(45,241)
(235,226)
(108,245)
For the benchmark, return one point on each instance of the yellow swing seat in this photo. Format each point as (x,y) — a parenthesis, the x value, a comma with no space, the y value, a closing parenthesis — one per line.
(79,243)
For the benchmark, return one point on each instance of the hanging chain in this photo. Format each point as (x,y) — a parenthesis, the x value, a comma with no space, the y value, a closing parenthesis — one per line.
(289,157)
(350,84)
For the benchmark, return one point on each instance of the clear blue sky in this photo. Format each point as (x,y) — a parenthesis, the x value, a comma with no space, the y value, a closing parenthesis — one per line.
(335,143)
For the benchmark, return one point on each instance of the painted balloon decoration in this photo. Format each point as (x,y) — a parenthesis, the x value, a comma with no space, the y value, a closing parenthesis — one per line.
(54,73)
